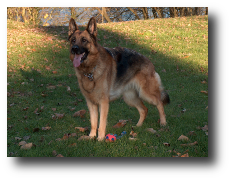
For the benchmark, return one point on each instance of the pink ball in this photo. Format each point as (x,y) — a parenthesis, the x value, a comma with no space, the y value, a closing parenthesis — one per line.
(110,137)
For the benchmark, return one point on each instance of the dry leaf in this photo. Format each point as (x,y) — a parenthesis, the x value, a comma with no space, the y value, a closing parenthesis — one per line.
(59,155)
(189,144)
(182,137)
(51,87)
(120,124)
(185,155)
(132,139)
(79,113)
(203,82)
(17,138)
(59,116)
(84,138)
(166,144)
(81,129)
(205,128)
(53,109)
(205,92)
(35,111)
(54,72)
(133,134)
(66,136)
(25,109)
(22,143)
(54,153)
(151,130)
(35,129)
(27,146)
(46,128)
(68,89)
(73,144)
(26,137)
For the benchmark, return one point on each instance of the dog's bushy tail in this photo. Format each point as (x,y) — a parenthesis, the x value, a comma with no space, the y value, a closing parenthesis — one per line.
(164,95)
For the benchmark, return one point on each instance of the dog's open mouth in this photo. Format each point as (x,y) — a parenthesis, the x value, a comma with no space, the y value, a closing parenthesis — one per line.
(79,58)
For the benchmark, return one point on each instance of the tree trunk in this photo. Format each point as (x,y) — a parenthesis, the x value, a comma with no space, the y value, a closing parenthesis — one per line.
(145,12)
(134,12)
(24,14)
(104,13)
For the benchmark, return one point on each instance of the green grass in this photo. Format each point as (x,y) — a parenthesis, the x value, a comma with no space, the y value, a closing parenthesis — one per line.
(178,47)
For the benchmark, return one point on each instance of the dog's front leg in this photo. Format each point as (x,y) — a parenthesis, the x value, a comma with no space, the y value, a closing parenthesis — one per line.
(93,117)
(104,106)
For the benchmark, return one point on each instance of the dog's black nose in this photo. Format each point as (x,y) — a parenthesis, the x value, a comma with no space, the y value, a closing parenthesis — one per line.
(75,49)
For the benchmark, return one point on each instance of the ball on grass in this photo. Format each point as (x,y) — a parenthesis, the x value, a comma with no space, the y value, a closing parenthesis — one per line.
(110,137)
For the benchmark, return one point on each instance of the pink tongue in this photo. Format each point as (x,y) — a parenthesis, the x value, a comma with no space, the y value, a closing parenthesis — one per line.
(76,61)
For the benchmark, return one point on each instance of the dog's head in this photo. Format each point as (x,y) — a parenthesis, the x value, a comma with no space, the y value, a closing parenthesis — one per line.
(83,44)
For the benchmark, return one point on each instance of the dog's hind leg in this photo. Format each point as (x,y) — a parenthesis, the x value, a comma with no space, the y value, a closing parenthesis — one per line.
(132,99)
(150,92)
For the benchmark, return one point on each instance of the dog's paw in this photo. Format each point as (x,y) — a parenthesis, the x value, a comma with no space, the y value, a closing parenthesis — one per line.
(101,138)
(163,123)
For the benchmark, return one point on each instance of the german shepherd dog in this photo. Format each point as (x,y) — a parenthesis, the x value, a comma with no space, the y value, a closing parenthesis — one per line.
(105,74)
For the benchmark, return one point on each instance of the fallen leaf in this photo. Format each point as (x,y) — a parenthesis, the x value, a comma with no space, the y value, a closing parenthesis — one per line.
(205,128)
(35,129)
(35,111)
(25,109)
(51,87)
(59,155)
(17,138)
(185,155)
(22,143)
(72,109)
(48,68)
(66,136)
(27,146)
(54,153)
(73,134)
(132,138)
(133,134)
(59,116)
(166,144)
(46,128)
(54,72)
(189,144)
(192,133)
(73,144)
(205,92)
(120,124)
(68,89)
(53,109)
(182,137)
(185,57)
(84,138)
(203,82)
(151,130)
(81,129)
(26,137)
(79,113)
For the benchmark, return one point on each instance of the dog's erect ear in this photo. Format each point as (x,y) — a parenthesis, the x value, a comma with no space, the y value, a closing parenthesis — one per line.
(92,27)
(72,27)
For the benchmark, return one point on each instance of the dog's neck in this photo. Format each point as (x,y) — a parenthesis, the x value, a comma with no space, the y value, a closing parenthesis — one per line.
(90,75)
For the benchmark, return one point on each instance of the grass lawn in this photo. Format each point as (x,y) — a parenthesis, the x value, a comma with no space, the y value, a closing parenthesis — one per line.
(43,93)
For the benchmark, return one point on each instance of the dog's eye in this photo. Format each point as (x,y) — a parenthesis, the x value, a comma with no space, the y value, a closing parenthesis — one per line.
(73,40)
(84,40)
